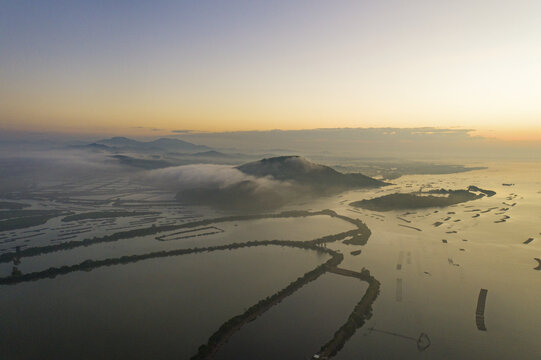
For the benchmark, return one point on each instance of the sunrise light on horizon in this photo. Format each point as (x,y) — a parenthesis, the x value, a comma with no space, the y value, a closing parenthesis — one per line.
(85,67)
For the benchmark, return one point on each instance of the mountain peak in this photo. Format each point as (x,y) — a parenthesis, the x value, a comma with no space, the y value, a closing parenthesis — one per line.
(301,170)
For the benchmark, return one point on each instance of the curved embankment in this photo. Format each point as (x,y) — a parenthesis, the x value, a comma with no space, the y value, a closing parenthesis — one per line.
(222,335)
(538,267)
(355,320)
(89,265)
(360,313)
(363,233)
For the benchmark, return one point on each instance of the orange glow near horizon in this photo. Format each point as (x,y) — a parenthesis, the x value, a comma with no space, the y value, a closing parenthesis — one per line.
(525,135)
(296,65)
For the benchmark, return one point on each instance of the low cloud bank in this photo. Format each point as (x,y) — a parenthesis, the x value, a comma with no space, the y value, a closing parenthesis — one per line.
(26,169)
(197,175)
(224,187)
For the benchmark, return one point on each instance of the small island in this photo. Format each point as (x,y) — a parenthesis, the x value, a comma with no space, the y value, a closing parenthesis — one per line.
(420,200)
(488,193)
(20,219)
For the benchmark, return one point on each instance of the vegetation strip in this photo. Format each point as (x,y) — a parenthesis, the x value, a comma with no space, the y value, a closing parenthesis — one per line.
(89,265)
(168,237)
(480,311)
(222,335)
(361,312)
(410,227)
(106,215)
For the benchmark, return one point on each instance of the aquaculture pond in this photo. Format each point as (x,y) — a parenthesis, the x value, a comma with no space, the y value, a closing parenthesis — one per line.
(301,324)
(152,309)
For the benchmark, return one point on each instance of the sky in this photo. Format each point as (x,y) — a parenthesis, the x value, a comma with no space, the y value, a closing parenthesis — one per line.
(143,67)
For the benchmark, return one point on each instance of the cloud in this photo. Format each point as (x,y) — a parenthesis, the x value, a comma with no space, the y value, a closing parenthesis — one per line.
(197,175)
(55,160)
(23,169)
(148,128)
(207,176)
(423,142)
(223,186)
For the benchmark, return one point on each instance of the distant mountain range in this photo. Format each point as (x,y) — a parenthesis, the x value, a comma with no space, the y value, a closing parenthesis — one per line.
(162,144)
(305,172)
